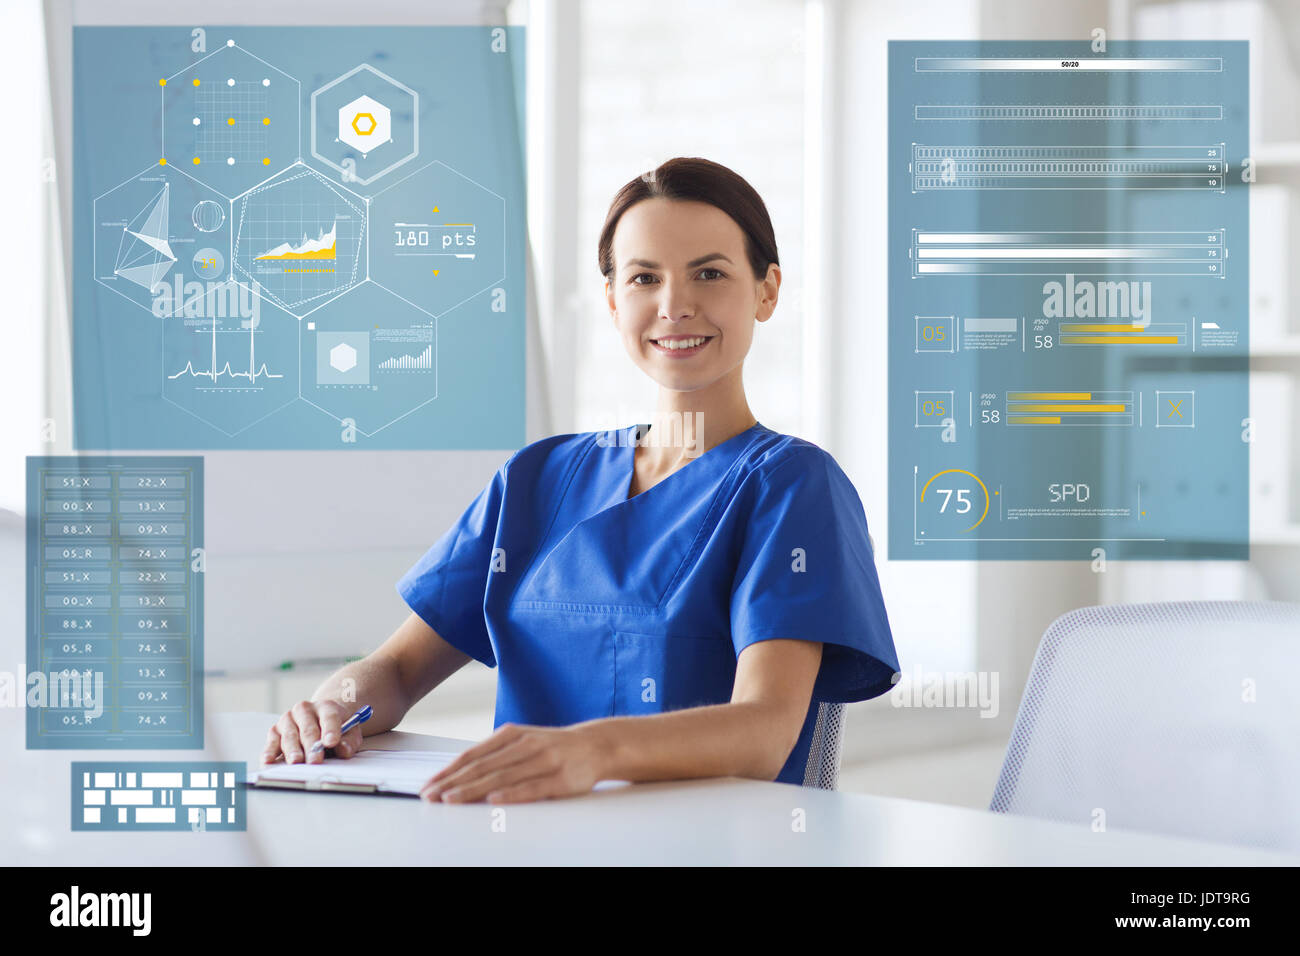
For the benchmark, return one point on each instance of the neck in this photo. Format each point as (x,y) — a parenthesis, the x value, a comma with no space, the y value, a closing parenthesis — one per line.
(687,424)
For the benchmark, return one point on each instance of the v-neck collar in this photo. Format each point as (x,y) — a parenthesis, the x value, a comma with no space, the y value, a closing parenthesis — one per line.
(636,432)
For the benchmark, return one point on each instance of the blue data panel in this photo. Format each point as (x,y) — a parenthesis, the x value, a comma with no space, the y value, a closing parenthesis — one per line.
(114,603)
(298,237)
(1068,300)
(159,795)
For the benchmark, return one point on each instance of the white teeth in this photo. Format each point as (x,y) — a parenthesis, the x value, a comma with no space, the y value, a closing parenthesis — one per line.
(675,344)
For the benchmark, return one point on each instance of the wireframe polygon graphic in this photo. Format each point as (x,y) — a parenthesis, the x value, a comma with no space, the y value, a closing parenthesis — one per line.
(365,124)
(230,358)
(374,373)
(300,239)
(231,118)
(208,281)
(145,235)
(442,236)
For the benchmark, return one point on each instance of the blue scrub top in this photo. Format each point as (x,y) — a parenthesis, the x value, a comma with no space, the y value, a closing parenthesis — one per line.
(593,604)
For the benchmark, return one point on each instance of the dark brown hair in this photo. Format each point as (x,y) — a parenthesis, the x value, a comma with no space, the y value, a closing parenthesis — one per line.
(700,180)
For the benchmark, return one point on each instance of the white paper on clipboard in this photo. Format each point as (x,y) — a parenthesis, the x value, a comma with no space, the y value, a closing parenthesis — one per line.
(371,771)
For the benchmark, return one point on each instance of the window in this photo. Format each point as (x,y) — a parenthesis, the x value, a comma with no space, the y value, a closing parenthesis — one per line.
(663,78)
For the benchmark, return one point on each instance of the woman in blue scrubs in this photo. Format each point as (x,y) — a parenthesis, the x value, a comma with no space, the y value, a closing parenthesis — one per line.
(664,601)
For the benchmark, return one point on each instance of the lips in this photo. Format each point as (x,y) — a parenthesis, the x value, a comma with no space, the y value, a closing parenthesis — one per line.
(680,346)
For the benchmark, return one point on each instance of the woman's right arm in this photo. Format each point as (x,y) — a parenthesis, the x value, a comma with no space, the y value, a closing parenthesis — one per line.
(412,662)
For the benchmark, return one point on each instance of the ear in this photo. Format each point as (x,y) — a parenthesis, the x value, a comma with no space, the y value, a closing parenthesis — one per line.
(767,292)
(609,301)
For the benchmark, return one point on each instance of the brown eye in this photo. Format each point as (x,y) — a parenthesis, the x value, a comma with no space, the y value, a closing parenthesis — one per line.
(716,273)
(640,275)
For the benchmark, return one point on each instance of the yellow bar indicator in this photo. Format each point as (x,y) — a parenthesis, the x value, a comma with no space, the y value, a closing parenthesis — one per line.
(1033,420)
(1101,327)
(1079,407)
(1048,396)
(1119,339)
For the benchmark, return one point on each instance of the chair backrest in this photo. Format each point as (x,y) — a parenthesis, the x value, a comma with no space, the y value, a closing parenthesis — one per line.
(1176,718)
(823,767)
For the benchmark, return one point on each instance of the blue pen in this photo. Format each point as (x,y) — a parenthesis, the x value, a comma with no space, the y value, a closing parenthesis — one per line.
(360,717)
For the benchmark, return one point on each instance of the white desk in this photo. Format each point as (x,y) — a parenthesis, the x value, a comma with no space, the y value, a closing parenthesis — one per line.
(722,821)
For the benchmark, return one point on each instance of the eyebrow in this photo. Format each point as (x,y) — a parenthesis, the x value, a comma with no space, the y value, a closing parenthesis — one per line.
(647,264)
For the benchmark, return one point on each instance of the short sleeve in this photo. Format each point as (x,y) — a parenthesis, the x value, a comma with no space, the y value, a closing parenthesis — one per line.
(807,572)
(446,587)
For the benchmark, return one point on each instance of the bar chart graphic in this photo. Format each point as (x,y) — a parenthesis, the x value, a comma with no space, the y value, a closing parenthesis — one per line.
(423,362)
(1121,253)
(1069,270)
(949,167)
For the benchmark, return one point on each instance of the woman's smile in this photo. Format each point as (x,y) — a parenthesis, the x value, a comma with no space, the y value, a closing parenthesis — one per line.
(681,346)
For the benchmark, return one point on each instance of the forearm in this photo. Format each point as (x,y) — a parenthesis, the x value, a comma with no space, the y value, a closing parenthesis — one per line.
(744,739)
(374,680)
(412,662)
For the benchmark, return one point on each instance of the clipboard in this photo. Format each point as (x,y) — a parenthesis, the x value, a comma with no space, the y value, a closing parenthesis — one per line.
(378,772)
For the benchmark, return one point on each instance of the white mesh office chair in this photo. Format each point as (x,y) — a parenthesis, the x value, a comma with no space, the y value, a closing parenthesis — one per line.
(1178,718)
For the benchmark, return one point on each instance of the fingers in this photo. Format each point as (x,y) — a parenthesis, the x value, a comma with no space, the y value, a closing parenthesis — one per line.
(305,716)
(331,719)
(331,716)
(350,744)
(539,788)
(298,728)
(481,784)
(504,735)
(515,753)
(307,731)
(272,751)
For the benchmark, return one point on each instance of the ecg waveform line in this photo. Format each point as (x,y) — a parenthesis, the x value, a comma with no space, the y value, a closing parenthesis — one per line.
(253,373)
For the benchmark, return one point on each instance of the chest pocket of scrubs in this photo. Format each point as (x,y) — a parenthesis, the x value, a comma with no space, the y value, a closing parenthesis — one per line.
(654,673)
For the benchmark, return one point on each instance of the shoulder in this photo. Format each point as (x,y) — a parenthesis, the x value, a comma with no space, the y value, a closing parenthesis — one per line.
(561,446)
(561,452)
(777,459)
(791,482)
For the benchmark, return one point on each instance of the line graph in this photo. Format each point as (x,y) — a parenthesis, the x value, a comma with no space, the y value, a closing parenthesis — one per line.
(252,373)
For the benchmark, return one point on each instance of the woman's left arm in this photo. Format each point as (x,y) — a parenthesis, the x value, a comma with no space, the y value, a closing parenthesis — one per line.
(752,736)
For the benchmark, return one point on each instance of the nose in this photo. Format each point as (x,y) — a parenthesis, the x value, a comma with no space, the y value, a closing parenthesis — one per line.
(675,304)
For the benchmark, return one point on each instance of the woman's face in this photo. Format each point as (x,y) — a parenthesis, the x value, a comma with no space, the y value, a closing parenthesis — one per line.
(683,295)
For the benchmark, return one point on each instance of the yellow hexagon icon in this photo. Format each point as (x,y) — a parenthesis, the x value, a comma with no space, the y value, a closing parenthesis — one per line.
(365,124)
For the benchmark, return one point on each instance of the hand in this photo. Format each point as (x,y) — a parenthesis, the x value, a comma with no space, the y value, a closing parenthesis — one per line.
(303,733)
(521,763)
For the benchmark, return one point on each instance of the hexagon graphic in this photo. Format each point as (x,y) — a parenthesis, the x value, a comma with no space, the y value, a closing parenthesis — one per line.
(230,358)
(343,357)
(145,239)
(365,124)
(440,238)
(299,239)
(356,114)
(374,359)
(231,118)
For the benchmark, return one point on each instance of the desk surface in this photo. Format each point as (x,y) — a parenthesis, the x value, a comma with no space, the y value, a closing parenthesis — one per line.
(718,821)
(714,822)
